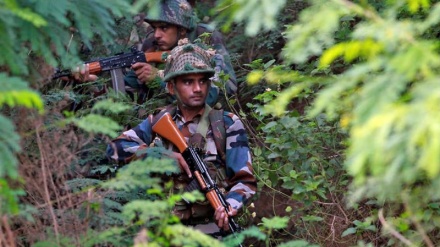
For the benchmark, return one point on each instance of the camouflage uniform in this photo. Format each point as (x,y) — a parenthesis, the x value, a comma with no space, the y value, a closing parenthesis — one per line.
(231,167)
(240,181)
(179,13)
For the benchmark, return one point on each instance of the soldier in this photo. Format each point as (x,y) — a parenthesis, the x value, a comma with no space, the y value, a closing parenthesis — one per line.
(176,21)
(188,74)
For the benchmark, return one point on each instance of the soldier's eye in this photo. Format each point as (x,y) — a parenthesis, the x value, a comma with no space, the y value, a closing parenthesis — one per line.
(205,80)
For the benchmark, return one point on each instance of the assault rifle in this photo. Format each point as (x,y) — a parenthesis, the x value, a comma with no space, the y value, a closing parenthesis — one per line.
(114,65)
(166,128)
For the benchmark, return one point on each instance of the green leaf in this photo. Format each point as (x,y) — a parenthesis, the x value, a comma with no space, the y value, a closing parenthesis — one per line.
(97,124)
(111,106)
(415,5)
(80,184)
(254,77)
(425,52)
(139,174)
(312,218)
(193,196)
(351,50)
(258,14)
(273,155)
(349,231)
(278,106)
(15,92)
(297,243)
(25,13)
(275,222)
(8,198)
(304,39)
(9,145)
(187,236)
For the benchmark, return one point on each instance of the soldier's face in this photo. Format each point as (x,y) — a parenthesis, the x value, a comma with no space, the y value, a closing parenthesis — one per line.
(190,90)
(166,35)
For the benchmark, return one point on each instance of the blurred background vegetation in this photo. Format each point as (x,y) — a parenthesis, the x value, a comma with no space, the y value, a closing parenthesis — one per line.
(340,99)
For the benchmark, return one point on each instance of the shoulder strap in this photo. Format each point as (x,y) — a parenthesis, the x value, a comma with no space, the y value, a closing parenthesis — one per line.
(218,131)
(217,125)
(202,127)
(159,113)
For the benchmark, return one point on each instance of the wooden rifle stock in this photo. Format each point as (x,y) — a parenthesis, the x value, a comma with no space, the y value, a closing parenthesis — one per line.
(166,128)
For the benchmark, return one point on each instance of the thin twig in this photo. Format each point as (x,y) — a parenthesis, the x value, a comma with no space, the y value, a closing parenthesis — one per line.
(2,238)
(270,187)
(332,228)
(392,230)
(70,42)
(338,204)
(9,233)
(416,222)
(46,189)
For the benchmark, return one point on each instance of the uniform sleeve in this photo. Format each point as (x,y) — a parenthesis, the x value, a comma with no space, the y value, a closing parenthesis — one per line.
(241,179)
(123,149)
(131,80)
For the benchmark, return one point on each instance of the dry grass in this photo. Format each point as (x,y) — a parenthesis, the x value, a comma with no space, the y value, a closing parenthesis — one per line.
(45,165)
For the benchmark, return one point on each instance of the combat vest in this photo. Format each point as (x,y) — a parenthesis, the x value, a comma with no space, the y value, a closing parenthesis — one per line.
(201,211)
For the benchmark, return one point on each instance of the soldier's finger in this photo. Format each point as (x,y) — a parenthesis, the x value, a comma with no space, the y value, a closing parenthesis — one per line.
(183,165)
(186,168)
(226,223)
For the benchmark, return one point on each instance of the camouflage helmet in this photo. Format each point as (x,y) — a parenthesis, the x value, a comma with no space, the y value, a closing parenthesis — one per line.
(188,59)
(175,12)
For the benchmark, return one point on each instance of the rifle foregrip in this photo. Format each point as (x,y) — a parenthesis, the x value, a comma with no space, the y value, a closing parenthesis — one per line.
(94,67)
(154,57)
(213,199)
(200,180)
(166,128)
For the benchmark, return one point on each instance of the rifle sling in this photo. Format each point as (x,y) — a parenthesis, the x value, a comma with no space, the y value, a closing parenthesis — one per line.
(202,127)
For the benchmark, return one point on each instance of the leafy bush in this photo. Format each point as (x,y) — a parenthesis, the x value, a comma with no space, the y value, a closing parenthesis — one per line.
(341,94)
(385,100)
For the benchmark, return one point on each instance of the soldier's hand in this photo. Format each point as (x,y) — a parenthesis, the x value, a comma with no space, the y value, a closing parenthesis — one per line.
(82,74)
(145,72)
(182,163)
(222,218)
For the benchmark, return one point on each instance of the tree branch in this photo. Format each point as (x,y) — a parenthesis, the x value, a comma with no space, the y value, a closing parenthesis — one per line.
(392,231)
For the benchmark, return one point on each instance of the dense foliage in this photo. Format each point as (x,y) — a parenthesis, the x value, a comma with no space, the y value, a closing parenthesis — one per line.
(340,100)
(384,96)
